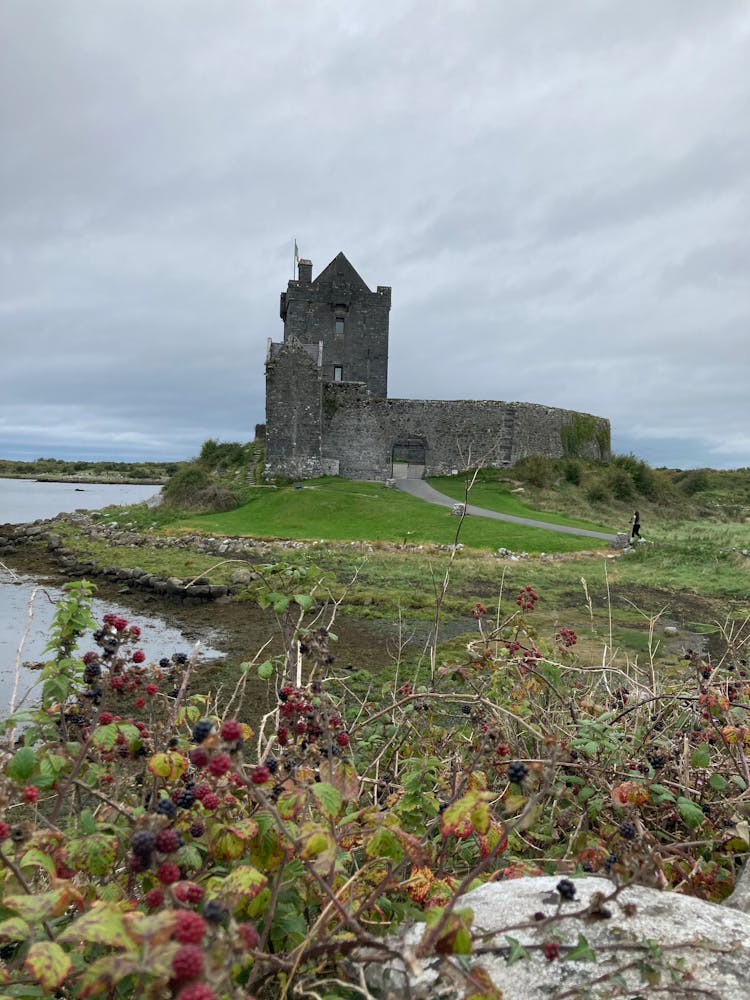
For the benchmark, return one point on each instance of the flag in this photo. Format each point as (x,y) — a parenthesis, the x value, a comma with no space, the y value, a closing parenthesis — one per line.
(296,253)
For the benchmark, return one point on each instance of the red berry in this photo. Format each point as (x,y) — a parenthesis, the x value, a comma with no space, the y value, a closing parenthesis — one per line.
(249,935)
(187,963)
(154,897)
(4,830)
(211,801)
(189,927)
(152,689)
(342,739)
(31,793)
(105,718)
(138,656)
(140,702)
(200,791)
(199,757)
(551,950)
(231,730)
(168,873)
(260,775)
(219,764)
(188,892)
(135,632)
(196,991)
(167,841)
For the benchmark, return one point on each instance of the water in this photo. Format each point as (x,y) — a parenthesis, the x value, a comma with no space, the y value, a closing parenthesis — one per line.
(23,500)
(26,607)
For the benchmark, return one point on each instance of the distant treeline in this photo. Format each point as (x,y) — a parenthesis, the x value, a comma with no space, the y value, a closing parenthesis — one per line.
(57,469)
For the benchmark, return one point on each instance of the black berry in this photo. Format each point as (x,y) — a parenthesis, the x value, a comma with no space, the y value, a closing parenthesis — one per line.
(517,771)
(566,888)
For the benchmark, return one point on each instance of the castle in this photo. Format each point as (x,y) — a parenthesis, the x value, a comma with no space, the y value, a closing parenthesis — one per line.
(327,405)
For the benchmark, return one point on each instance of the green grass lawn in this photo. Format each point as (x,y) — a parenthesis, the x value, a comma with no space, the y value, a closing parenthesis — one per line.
(499,497)
(339,509)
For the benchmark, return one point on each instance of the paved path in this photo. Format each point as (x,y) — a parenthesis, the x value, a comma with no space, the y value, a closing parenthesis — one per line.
(419,488)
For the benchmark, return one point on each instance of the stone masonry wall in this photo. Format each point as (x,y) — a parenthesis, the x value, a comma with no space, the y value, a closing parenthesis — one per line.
(293,431)
(310,310)
(361,432)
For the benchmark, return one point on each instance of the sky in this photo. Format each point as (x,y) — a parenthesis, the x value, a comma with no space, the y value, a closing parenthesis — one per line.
(557,193)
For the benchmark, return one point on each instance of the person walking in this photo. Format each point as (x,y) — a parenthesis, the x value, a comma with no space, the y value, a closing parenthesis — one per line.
(635,527)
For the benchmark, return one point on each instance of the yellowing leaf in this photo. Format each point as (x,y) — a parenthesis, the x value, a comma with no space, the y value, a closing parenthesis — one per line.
(153,928)
(314,840)
(48,964)
(345,778)
(102,924)
(170,765)
(14,929)
(226,844)
(245,880)
(467,815)
(42,905)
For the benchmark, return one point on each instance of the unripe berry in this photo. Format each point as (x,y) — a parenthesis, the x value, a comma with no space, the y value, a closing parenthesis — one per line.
(187,963)
(231,730)
(154,898)
(189,927)
(219,765)
(168,873)
(167,841)
(196,991)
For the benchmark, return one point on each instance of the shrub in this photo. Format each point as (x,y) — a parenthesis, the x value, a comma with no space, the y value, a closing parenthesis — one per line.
(597,492)
(572,472)
(694,481)
(537,470)
(644,479)
(149,839)
(620,483)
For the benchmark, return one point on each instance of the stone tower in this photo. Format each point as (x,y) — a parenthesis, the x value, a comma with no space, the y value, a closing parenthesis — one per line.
(338,311)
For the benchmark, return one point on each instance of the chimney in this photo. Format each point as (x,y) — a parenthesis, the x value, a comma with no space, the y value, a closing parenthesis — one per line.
(304,272)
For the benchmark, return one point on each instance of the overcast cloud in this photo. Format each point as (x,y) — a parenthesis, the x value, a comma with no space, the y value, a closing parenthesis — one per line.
(558,194)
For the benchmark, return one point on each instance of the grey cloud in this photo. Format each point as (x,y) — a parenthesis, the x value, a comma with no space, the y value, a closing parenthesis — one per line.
(556,194)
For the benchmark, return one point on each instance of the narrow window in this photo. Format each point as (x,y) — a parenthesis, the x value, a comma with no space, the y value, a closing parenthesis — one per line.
(337,373)
(339,326)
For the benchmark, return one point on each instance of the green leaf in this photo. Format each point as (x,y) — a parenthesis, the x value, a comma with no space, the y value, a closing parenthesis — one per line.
(384,844)
(102,924)
(55,689)
(265,670)
(690,812)
(86,822)
(245,881)
(304,601)
(35,857)
(661,794)
(41,905)
(14,929)
(95,854)
(48,963)
(581,951)
(105,736)
(329,799)
(21,765)
(718,783)
(701,756)
(516,950)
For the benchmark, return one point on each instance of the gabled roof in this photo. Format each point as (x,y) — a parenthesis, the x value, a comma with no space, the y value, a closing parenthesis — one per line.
(340,270)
